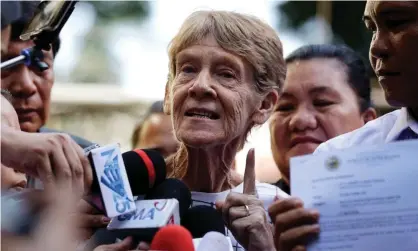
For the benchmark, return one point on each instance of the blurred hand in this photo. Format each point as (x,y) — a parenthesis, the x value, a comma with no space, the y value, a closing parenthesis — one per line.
(51,157)
(294,225)
(124,245)
(56,229)
(245,216)
(88,219)
(143,246)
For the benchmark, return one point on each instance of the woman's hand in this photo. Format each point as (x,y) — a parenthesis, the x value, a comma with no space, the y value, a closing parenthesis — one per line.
(294,225)
(245,216)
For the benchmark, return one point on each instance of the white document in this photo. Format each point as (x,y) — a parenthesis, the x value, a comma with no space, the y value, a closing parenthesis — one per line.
(367,197)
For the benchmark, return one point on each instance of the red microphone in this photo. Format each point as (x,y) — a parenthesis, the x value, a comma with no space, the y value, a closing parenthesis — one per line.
(173,238)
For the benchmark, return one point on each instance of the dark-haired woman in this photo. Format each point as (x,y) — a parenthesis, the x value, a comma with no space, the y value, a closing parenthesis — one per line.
(326,93)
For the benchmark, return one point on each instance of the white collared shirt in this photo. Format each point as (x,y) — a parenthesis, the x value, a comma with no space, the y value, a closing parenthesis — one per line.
(382,130)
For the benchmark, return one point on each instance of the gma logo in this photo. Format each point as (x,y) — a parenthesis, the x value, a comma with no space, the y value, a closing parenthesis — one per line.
(142,214)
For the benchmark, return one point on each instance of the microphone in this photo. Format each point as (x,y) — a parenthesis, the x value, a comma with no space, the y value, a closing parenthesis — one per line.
(117,177)
(207,227)
(213,241)
(164,206)
(200,220)
(172,238)
(143,169)
(172,189)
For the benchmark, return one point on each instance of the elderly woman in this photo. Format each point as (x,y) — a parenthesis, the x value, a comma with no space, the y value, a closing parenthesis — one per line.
(225,70)
(326,94)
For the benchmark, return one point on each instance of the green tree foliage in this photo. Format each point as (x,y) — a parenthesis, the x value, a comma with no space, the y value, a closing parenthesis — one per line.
(108,11)
(346,24)
(96,63)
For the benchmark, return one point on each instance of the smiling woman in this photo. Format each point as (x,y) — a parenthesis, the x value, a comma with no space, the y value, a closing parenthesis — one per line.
(225,70)
(326,93)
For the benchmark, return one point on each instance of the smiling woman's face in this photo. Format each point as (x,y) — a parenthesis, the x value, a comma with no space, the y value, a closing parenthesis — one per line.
(317,104)
(213,95)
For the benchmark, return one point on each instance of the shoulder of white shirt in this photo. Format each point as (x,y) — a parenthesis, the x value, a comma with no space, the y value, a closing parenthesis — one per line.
(379,131)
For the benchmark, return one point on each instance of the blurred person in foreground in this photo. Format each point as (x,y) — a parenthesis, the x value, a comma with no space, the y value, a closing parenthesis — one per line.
(11,179)
(40,151)
(49,157)
(31,90)
(57,204)
(225,70)
(326,93)
(393,55)
(55,229)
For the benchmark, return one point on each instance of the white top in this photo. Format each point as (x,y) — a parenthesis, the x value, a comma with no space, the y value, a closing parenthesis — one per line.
(382,130)
(266,193)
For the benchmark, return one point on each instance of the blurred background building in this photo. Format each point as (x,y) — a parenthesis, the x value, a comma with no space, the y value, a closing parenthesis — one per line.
(113,60)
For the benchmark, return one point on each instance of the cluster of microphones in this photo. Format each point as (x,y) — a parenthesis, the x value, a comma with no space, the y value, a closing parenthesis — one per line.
(132,189)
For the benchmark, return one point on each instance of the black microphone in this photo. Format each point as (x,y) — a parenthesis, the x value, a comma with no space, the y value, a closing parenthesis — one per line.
(200,220)
(118,177)
(145,170)
(163,206)
(172,189)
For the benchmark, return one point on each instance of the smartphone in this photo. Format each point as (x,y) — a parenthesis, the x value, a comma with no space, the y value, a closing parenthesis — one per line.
(50,16)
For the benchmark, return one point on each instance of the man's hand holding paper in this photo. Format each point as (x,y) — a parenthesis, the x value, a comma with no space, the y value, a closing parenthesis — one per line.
(366,197)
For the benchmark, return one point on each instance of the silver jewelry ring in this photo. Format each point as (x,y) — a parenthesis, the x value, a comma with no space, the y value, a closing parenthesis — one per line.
(248,210)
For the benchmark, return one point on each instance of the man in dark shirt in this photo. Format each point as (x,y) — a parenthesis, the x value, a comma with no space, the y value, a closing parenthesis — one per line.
(31,88)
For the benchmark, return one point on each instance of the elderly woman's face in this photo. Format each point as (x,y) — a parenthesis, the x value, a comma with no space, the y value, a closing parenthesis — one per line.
(213,95)
(316,104)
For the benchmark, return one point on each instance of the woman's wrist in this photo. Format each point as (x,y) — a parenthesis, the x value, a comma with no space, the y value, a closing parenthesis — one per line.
(266,243)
